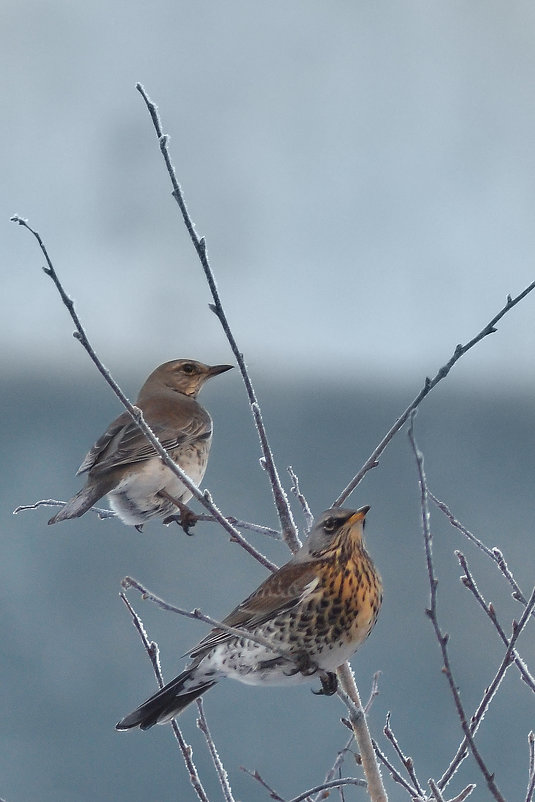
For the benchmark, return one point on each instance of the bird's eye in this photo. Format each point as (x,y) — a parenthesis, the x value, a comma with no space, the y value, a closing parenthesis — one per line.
(329,525)
(188,368)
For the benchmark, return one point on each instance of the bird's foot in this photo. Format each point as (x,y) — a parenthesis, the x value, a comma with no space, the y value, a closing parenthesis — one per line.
(186,519)
(329,684)
(139,527)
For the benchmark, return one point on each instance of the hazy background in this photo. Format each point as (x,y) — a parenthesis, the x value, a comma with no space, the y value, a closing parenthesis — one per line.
(363,173)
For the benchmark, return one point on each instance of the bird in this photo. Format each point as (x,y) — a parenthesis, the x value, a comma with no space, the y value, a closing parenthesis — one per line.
(314,612)
(123,464)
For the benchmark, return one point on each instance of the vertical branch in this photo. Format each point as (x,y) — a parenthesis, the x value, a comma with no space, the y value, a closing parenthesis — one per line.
(289,529)
(359,725)
(531,772)
(432,614)
(220,769)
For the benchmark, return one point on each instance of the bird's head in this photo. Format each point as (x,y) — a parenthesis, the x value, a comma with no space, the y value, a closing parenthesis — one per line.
(184,376)
(335,529)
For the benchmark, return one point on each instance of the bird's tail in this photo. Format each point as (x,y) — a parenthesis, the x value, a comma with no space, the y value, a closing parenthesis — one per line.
(168,702)
(78,504)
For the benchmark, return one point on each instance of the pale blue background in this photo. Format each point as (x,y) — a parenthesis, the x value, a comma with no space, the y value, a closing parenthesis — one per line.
(364,175)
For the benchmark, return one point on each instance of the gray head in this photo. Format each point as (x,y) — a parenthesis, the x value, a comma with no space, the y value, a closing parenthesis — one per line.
(333,529)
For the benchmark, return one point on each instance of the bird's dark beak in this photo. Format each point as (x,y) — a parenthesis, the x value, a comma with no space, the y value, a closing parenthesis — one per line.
(215,370)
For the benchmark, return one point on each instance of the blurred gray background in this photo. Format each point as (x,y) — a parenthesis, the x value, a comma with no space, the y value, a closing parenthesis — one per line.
(364,175)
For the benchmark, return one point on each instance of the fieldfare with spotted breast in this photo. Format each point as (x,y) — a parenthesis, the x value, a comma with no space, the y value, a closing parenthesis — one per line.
(124,466)
(315,611)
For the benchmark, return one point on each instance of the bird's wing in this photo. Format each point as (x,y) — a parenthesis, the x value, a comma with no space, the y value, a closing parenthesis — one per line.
(281,591)
(123,442)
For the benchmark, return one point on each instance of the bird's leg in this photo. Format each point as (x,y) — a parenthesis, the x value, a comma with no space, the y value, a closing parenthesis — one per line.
(329,684)
(187,517)
(139,527)
(302,665)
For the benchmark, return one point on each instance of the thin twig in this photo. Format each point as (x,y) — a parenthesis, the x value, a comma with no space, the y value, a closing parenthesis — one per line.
(52,502)
(256,776)
(289,529)
(331,784)
(220,769)
(465,793)
(494,554)
(296,490)
(432,614)
(187,753)
(468,581)
(373,693)
(135,413)
(337,765)
(460,350)
(394,773)
(407,762)
(198,615)
(103,514)
(436,791)
(531,773)
(357,718)
(490,691)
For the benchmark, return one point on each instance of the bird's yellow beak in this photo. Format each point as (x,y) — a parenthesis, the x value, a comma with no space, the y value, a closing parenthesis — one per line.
(359,515)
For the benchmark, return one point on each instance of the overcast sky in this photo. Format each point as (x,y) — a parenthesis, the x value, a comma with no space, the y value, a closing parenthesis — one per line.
(364,174)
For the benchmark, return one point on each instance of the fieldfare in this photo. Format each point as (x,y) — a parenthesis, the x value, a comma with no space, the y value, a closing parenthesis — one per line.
(123,465)
(315,611)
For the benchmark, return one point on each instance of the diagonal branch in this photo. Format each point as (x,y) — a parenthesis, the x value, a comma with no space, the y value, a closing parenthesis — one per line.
(152,650)
(135,413)
(460,350)
(198,615)
(289,529)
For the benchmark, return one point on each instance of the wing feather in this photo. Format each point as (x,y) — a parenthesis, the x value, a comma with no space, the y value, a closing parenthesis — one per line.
(282,591)
(124,443)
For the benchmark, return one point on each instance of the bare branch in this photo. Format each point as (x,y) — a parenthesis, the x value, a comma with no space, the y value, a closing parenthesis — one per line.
(394,773)
(468,581)
(256,776)
(337,765)
(220,769)
(441,637)
(187,753)
(198,615)
(465,793)
(331,784)
(309,518)
(350,695)
(531,774)
(494,554)
(103,514)
(429,384)
(52,502)
(407,762)
(374,692)
(135,413)
(289,529)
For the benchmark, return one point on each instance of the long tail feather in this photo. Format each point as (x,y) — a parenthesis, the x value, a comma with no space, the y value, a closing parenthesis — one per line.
(78,504)
(166,703)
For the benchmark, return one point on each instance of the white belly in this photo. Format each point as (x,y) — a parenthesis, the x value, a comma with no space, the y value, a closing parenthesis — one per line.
(136,499)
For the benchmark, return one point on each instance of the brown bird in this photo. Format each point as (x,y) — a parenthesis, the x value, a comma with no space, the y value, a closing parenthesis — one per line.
(315,611)
(124,466)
